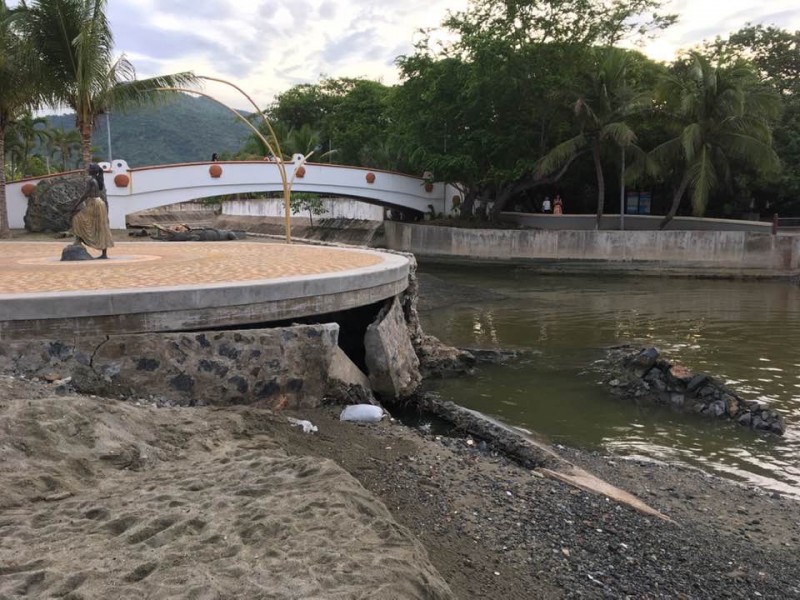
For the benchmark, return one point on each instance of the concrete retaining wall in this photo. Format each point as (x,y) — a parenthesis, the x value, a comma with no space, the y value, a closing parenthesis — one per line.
(357,232)
(632,223)
(715,253)
(335,208)
(284,367)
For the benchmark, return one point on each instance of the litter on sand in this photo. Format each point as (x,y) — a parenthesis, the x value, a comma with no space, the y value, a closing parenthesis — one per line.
(307,426)
(362,413)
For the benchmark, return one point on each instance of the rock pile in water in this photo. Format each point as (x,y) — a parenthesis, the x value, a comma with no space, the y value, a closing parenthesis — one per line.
(644,374)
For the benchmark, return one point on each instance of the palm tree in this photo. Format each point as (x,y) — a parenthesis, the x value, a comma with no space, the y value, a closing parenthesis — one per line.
(14,154)
(725,118)
(600,112)
(28,134)
(75,44)
(17,94)
(65,143)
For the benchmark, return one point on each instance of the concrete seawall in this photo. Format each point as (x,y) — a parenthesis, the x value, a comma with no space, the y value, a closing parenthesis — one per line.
(702,253)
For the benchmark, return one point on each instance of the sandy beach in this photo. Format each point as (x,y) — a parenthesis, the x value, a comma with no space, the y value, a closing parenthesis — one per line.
(104,499)
(101,498)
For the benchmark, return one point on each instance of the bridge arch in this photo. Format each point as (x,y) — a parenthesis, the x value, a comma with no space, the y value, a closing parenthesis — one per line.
(134,190)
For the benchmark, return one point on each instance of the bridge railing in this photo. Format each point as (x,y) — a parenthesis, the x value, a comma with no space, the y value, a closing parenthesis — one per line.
(131,190)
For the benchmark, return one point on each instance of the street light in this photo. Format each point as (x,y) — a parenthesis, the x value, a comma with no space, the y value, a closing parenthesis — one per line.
(622,193)
(108,130)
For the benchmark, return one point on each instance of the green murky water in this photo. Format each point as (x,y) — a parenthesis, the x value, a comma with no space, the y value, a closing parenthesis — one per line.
(746,333)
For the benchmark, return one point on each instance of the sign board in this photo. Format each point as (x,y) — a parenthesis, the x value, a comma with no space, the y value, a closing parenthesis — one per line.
(644,202)
(632,203)
(638,203)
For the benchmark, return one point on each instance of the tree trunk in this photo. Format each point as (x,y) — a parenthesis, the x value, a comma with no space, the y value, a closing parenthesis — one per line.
(676,200)
(502,199)
(529,182)
(601,182)
(5,232)
(469,203)
(86,142)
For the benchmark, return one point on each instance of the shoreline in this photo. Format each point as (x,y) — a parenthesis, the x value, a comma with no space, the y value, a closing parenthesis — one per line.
(490,528)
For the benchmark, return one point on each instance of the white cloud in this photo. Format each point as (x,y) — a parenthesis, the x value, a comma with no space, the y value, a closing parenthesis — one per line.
(265,46)
(706,19)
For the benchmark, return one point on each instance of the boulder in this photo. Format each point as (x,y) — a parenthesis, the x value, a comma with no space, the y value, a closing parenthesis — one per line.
(75,252)
(440,360)
(346,383)
(644,361)
(50,204)
(641,374)
(392,364)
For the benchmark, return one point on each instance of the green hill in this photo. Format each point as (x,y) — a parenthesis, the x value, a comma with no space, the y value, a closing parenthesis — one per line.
(184,129)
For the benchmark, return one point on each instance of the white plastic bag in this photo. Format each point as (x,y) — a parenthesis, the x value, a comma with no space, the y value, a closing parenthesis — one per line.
(307,426)
(362,413)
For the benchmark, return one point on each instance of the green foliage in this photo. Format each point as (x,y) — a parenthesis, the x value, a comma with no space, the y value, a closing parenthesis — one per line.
(181,129)
(723,115)
(63,147)
(308,202)
(605,101)
(579,22)
(345,117)
(505,87)
(20,92)
(25,134)
(775,53)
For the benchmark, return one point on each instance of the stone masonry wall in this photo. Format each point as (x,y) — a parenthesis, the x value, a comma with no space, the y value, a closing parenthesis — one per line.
(279,368)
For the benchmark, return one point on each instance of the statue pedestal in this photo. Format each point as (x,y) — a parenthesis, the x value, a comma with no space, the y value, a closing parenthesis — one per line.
(75,252)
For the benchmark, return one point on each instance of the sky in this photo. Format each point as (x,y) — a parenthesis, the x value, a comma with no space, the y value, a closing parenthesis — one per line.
(266,46)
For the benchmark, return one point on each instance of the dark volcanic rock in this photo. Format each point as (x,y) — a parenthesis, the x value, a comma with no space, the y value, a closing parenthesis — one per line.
(75,252)
(643,374)
(50,205)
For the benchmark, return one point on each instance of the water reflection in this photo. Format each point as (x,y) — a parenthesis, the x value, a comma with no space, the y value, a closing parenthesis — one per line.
(745,333)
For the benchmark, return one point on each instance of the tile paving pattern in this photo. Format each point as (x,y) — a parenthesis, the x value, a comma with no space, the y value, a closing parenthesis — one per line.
(31,267)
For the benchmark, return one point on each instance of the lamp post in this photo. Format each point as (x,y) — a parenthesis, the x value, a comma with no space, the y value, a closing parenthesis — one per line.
(108,130)
(622,193)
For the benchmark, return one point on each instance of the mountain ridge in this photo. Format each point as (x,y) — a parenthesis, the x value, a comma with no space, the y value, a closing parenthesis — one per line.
(181,129)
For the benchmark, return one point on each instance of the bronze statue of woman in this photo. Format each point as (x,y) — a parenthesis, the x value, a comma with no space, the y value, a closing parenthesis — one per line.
(90,215)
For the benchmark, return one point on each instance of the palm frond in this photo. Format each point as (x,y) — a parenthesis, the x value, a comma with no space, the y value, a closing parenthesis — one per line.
(152,90)
(750,150)
(664,156)
(620,133)
(691,139)
(702,180)
(559,156)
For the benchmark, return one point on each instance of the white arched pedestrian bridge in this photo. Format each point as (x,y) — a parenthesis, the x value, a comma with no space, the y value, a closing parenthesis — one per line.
(133,190)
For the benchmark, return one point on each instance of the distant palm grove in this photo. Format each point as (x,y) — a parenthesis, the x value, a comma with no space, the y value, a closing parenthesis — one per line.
(529,99)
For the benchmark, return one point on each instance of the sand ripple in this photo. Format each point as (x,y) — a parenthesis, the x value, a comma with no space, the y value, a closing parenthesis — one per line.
(100,499)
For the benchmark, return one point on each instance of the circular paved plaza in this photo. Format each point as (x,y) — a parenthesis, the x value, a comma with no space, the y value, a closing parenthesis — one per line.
(27,267)
(168,286)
